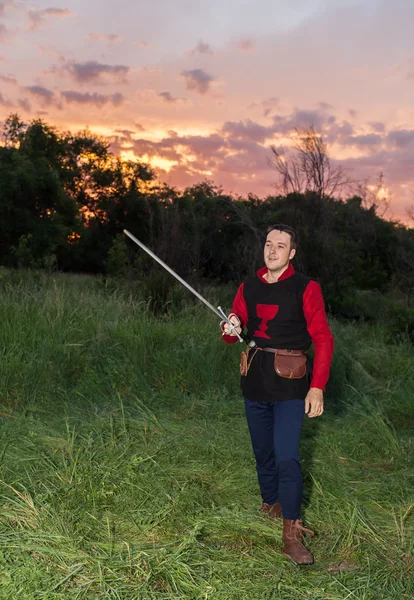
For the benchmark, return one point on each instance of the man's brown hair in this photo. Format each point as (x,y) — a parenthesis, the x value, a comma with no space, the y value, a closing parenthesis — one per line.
(286,229)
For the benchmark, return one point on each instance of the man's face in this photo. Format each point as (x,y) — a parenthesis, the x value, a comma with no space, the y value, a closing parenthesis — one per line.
(277,252)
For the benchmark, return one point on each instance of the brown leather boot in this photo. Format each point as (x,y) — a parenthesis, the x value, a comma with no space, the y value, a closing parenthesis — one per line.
(273,510)
(293,542)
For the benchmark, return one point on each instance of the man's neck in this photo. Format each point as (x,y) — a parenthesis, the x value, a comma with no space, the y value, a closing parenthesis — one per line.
(273,276)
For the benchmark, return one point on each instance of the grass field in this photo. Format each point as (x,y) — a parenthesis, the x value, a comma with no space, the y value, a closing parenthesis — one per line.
(126,470)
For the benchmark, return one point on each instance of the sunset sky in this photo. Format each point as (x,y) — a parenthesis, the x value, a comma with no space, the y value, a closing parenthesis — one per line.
(202,88)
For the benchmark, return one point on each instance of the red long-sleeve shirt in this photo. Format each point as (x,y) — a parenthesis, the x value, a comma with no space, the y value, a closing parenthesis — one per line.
(316,322)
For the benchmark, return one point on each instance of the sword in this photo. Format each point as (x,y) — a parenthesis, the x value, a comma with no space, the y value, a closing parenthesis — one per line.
(217,311)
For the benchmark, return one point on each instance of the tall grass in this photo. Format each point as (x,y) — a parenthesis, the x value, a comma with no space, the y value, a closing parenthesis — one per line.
(125,464)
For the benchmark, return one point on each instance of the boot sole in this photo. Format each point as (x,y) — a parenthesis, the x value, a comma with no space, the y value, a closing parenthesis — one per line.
(298,563)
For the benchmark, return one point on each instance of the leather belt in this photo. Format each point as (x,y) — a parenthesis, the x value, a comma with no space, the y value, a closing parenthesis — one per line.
(283,352)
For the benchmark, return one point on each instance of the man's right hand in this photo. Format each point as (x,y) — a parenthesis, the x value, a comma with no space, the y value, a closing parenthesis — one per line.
(236,321)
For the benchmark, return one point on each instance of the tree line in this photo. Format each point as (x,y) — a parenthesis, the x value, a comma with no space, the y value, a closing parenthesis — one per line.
(65,200)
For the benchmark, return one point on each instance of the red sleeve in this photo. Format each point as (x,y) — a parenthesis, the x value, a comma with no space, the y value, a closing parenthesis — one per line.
(318,328)
(239,308)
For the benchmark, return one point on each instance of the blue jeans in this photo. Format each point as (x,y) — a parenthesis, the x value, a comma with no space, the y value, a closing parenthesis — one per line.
(275,429)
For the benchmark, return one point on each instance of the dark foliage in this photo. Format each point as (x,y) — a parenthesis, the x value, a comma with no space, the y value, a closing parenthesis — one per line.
(65,200)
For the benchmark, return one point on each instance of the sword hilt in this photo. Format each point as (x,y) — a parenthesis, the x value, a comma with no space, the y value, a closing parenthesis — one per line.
(230,324)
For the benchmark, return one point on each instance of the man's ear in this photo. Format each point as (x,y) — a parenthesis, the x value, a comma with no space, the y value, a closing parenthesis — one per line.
(292,253)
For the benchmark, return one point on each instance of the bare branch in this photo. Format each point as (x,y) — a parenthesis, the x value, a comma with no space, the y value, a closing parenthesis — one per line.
(308,168)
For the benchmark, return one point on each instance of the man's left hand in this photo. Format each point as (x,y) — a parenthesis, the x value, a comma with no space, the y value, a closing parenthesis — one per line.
(314,403)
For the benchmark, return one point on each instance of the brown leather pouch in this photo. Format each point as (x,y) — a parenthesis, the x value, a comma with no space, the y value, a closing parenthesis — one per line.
(243,363)
(290,364)
(246,360)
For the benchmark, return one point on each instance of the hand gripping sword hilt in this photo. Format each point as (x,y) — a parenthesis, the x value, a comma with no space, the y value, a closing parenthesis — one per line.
(229,323)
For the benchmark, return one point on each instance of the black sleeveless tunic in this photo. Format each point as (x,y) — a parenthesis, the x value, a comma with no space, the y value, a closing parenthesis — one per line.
(275,320)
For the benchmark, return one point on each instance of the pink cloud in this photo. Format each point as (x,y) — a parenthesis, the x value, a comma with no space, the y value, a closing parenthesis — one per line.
(4,33)
(338,130)
(377,126)
(238,156)
(6,4)
(45,96)
(150,70)
(198,80)
(39,17)
(48,50)
(9,80)
(241,164)
(5,102)
(410,69)
(266,105)
(248,130)
(369,140)
(201,48)
(93,71)
(73,97)
(402,138)
(24,104)
(245,44)
(301,119)
(111,38)
(142,44)
(167,97)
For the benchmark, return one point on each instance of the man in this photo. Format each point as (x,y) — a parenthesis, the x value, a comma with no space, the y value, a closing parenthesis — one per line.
(281,310)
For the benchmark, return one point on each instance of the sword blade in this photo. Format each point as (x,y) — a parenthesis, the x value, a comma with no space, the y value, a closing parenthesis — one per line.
(174,274)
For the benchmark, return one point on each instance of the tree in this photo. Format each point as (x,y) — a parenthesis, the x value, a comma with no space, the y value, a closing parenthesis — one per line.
(309,169)
(404,271)
(374,197)
(13,130)
(36,215)
(65,199)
